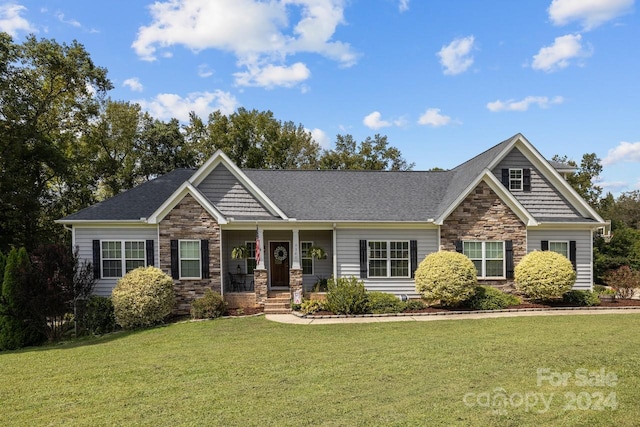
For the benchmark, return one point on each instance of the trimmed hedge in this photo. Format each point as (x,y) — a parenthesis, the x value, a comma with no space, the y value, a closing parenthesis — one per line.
(346,296)
(381,302)
(209,306)
(543,275)
(489,298)
(449,277)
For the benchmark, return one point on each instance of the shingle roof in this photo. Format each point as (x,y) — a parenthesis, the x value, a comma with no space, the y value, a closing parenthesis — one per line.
(138,202)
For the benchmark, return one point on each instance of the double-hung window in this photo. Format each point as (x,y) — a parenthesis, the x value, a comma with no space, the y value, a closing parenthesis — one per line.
(515,179)
(251,256)
(560,247)
(487,256)
(189,255)
(120,257)
(388,259)
(306,260)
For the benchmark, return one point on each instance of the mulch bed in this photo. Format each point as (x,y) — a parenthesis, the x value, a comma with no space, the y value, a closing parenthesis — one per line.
(524,305)
(247,311)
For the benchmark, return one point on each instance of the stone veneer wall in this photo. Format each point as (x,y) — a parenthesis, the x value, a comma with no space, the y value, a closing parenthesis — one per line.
(260,279)
(483,216)
(189,220)
(295,280)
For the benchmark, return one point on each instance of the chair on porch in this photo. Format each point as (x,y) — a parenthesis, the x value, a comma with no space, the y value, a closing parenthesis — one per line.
(237,282)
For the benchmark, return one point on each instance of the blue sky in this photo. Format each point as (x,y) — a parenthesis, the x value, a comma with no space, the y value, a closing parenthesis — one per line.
(444,80)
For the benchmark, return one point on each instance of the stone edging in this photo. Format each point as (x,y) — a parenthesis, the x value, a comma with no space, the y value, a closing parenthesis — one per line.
(448,313)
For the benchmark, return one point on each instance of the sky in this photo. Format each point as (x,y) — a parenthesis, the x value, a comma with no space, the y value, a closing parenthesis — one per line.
(443,80)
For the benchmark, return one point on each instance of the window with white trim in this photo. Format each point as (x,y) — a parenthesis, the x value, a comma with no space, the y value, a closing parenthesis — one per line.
(118,253)
(487,256)
(515,179)
(560,247)
(306,260)
(388,259)
(250,262)
(189,256)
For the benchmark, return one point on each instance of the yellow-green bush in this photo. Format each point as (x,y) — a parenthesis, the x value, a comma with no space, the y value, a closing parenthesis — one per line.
(143,297)
(449,277)
(544,274)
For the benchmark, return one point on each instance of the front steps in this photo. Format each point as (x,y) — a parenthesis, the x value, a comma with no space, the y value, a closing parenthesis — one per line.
(278,303)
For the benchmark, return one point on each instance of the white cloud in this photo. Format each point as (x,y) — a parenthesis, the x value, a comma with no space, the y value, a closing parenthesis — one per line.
(71,22)
(624,152)
(614,186)
(11,20)
(404,5)
(374,121)
(134,84)
(560,53)
(456,56)
(590,13)
(167,105)
(204,71)
(273,75)
(258,33)
(320,137)
(524,104)
(432,117)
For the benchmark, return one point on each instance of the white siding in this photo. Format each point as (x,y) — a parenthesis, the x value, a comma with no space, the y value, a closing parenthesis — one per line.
(84,237)
(584,261)
(348,247)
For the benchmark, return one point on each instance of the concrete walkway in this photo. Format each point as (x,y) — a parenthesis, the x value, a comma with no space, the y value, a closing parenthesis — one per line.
(295,320)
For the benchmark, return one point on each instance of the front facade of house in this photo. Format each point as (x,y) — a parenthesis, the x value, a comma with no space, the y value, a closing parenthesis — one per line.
(494,208)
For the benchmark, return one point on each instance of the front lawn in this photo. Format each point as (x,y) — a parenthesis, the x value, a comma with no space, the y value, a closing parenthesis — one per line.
(250,371)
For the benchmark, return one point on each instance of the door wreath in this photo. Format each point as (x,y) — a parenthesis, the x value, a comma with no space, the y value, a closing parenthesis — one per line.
(280,254)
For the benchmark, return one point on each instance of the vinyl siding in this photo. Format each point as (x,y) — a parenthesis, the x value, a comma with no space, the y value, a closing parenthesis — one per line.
(348,247)
(84,237)
(584,262)
(228,195)
(544,200)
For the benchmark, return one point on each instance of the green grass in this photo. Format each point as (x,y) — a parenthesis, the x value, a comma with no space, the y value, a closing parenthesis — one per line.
(251,372)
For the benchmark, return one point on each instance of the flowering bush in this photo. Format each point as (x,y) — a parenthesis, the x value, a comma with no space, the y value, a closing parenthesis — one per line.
(449,277)
(543,275)
(143,297)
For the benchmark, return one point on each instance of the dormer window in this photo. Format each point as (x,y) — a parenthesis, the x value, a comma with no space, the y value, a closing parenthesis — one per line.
(515,179)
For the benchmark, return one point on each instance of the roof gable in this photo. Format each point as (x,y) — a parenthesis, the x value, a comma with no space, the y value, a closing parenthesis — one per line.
(185,189)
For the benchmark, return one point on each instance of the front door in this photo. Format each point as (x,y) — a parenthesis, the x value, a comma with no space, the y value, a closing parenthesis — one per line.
(279,264)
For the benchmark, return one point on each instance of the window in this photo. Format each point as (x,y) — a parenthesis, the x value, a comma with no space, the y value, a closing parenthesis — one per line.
(515,179)
(560,247)
(488,257)
(189,255)
(251,257)
(115,254)
(388,259)
(306,260)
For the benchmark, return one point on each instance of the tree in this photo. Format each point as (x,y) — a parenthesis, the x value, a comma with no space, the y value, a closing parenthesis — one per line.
(162,148)
(48,95)
(584,178)
(371,154)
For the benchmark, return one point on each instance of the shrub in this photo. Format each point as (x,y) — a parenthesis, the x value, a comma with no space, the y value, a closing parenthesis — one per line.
(311,306)
(99,317)
(414,305)
(623,280)
(489,298)
(346,296)
(209,306)
(446,276)
(543,275)
(581,298)
(381,302)
(143,297)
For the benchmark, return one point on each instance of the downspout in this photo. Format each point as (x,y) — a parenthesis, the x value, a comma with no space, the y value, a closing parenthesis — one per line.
(335,253)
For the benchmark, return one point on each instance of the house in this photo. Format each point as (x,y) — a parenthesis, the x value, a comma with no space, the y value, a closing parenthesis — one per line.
(376,225)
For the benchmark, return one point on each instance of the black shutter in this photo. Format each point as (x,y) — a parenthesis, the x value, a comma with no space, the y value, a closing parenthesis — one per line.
(175,270)
(572,254)
(505,177)
(204,252)
(526,179)
(458,244)
(363,259)
(150,253)
(413,252)
(508,252)
(544,245)
(96,259)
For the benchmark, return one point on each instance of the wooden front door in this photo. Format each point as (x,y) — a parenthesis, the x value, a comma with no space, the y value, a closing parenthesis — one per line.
(279,263)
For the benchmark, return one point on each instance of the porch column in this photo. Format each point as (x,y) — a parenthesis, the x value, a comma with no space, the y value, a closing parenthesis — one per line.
(260,264)
(295,271)
(260,276)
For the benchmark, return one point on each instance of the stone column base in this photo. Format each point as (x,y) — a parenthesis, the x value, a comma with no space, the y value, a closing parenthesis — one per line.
(260,280)
(295,281)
